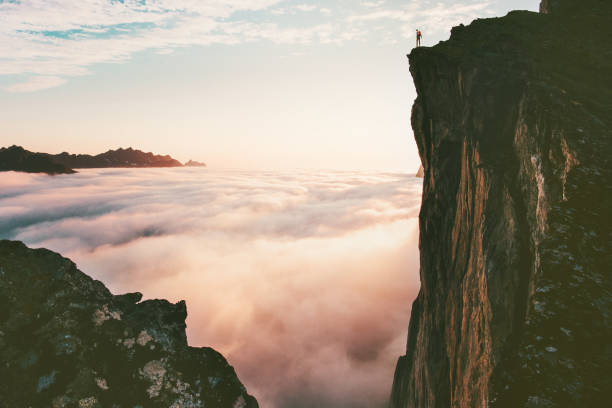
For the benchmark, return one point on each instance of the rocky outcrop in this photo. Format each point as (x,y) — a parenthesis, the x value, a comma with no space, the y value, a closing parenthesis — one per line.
(420,173)
(66,341)
(513,122)
(16,158)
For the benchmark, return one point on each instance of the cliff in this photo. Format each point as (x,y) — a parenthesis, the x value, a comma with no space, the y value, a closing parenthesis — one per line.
(16,158)
(513,122)
(66,341)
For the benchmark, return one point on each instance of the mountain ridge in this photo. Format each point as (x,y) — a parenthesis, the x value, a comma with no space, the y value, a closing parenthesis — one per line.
(16,158)
(115,158)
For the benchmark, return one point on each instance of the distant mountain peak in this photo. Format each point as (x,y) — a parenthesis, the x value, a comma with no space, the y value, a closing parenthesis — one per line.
(193,163)
(19,159)
(16,158)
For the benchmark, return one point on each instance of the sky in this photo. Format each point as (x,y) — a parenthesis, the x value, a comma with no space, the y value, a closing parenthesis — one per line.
(257,84)
(302,280)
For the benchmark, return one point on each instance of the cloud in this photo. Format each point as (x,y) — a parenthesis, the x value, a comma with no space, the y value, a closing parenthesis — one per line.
(60,39)
(65,38)
(303,280)
(436,18)
(372,4)
(306,7)
(36,84)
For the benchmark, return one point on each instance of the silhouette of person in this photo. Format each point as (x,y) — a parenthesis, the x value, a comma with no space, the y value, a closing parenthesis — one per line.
(418,37)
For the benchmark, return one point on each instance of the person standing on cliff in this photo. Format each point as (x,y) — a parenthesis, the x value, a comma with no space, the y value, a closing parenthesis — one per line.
(418,37)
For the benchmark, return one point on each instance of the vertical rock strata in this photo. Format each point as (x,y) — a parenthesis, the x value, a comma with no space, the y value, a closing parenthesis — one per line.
(513,122)
(66,341)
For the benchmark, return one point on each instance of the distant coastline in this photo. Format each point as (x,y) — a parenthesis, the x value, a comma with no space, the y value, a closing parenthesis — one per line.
(194,163)
(16,158)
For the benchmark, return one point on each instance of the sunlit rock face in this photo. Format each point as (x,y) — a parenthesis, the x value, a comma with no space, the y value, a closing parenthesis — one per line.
(513,121)
(66,341)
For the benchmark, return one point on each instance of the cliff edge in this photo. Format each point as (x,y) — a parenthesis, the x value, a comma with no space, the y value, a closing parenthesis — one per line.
(513,122)
(66,341)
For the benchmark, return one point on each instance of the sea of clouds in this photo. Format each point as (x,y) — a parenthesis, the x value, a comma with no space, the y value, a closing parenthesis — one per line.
(302,279)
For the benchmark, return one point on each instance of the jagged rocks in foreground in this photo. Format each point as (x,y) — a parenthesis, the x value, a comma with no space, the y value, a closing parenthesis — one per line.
(513,122)
(66,341)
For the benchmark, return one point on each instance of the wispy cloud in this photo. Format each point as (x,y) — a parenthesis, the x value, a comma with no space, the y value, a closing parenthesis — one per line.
(64,38)
(372,4)
(59,39)
(36,83)
(431,18)
(303,279)
(306,7)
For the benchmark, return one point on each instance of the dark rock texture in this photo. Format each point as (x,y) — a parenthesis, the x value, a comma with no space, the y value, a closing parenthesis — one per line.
(513,121)
(16,158)
(66,341)
(115,158)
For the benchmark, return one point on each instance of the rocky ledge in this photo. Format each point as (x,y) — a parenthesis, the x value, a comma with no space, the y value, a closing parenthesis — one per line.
(66,341)
(513,122)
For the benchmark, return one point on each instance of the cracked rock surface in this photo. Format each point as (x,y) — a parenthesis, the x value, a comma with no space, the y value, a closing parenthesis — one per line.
(66,341)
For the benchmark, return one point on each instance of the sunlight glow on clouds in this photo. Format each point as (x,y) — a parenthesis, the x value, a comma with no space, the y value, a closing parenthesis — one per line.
(303,280)
(65,38)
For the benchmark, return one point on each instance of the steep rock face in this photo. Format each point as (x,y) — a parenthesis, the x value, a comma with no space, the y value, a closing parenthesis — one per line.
(513,121)
(66,341)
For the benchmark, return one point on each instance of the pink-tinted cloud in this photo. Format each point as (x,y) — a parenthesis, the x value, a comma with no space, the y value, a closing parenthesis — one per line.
(303,280)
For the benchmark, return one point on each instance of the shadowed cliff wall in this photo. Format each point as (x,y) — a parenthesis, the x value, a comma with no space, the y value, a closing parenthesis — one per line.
(513,123)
